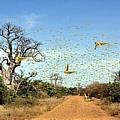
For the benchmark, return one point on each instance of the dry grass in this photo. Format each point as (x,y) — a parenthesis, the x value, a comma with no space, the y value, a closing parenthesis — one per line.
(27,112)
(113,109)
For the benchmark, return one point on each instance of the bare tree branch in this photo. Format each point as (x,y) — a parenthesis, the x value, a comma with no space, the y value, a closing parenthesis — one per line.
(16,44)
(21,78)
(55,77)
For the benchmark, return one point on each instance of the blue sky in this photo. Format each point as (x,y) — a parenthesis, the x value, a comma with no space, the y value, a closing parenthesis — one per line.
(68,30)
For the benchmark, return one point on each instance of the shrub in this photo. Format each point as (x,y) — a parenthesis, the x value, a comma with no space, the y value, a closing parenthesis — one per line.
(97,90)
(110,92)
(26,89)
(61,91)
(6,95)
(24,101)
(51,91)
(3,92)
(72,91)
(114,91)
(10,96)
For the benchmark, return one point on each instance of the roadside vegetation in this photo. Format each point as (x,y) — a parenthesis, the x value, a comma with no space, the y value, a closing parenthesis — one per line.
(107,94)
(35,97)
(28,102)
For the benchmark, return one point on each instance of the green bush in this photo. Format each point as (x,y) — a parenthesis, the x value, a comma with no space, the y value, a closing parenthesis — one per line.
(3,92)
(21,101)
(72,91)
(51,91)
(61,91)
(10,96)
(26,89)
(6,95)
(114,91)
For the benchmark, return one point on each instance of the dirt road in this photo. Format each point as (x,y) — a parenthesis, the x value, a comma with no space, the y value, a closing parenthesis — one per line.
(75,108)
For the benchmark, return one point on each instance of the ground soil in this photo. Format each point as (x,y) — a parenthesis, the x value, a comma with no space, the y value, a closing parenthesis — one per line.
(76,108)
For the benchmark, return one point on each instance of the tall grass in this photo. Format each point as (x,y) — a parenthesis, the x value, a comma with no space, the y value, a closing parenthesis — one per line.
(21,111)
(113,109)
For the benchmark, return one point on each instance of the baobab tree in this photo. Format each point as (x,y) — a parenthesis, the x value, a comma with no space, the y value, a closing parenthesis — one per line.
(15,47)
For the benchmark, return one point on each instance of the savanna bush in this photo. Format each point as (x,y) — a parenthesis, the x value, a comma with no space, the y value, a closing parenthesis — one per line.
(6,95)
(107,91)
(98,90)
(114,91)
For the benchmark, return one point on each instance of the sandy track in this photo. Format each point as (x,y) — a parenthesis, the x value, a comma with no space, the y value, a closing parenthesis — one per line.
(75,108)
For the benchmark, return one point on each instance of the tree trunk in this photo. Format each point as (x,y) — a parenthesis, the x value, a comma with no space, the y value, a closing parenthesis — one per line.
(8,77)
(4,75)
(55,83)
